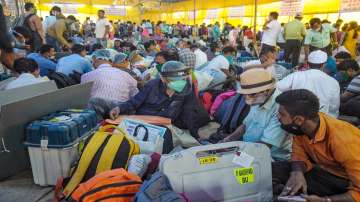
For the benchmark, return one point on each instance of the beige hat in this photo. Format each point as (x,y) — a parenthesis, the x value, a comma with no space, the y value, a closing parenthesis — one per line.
(255,81)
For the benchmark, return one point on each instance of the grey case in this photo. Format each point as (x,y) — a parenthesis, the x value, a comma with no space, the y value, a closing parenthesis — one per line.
(201,177)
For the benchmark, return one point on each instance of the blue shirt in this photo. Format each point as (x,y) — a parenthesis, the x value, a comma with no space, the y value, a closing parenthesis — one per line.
(262,125)
(44,64)
(67,65)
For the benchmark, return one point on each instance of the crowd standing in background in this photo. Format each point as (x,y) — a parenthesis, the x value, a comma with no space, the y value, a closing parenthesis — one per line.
(298,81)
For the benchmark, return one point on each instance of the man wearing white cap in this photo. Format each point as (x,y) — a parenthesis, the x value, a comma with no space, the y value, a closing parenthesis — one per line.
(294,33)
(326,88)
(262,124)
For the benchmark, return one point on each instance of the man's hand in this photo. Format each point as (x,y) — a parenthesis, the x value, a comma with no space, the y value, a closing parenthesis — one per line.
(227,139)
(296,182)
(313,198)
(114,113)
(7,59)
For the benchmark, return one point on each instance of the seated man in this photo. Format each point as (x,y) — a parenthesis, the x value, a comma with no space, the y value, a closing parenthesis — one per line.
(325,158)
(171,96)
(261,124)
(28,73)
(44,59)
(350,99)
(75,62)
(110,83)
(268,62)
(322,85)
(218,67)
(150,48)
(186,56)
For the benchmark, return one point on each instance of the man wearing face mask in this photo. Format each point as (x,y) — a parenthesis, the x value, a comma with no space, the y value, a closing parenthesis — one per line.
(261,124)
(171,96)
(325,158)
(319,37)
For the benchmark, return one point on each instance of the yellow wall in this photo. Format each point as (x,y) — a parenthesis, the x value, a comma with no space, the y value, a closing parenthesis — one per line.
(172,13)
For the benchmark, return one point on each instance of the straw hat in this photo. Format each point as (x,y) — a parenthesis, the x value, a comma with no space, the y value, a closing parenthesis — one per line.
(255,81)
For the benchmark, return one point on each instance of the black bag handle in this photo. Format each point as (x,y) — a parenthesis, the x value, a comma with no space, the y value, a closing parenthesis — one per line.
(136,131)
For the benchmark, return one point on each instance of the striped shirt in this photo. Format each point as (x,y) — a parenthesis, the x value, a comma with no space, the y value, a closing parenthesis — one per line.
(354,85)
(111,83)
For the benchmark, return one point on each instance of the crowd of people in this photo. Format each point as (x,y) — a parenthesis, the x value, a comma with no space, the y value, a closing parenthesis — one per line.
(306,113)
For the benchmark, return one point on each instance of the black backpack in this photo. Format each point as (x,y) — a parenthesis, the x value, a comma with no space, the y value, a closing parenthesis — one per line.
(230,115)
(61,79)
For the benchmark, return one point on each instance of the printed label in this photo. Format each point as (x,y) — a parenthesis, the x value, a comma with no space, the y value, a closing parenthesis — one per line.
(208,160)
(244,175)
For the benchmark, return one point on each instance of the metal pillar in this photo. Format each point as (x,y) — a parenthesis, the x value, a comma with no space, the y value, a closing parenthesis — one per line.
(194,1)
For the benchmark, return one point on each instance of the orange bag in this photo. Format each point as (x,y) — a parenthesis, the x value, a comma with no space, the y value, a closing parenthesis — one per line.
(110,186)
(156,120)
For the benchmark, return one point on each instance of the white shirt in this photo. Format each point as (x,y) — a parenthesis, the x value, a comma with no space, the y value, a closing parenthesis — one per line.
(24,79)
(271,34)
(101,27)
(201,58)
(326,88)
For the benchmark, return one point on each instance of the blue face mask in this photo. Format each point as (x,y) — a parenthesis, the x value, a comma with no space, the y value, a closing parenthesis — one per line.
(230,59)
(178,86)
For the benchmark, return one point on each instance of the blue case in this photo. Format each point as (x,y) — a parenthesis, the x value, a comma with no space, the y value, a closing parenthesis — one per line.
(61,128)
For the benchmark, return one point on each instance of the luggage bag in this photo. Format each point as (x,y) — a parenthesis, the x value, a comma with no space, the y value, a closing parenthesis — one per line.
(231,172)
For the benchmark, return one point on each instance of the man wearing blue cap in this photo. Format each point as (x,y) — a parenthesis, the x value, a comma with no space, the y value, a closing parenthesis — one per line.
(171,96)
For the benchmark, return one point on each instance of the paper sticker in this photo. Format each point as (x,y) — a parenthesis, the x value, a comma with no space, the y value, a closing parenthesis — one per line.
(208,160)
(44,144)
(243,159)
(60,119)
(76,110)
(244,175)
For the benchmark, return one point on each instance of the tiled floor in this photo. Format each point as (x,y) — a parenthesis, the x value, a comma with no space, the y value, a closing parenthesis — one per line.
(21,188)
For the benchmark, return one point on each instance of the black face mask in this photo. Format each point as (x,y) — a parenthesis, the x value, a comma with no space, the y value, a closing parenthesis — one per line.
(292,128)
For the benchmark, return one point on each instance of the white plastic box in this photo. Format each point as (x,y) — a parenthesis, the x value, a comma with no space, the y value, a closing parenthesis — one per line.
(49,164)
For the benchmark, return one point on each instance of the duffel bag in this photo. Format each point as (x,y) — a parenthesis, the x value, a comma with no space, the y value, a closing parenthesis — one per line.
(103,152)
(116,185)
